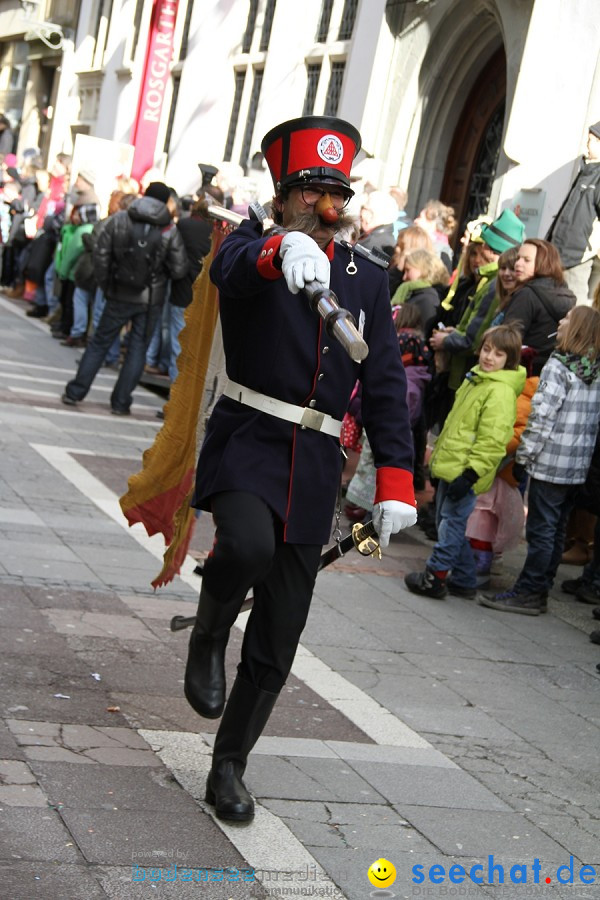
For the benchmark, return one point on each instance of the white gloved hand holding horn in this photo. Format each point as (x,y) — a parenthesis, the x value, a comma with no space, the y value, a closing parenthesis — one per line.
(302,261)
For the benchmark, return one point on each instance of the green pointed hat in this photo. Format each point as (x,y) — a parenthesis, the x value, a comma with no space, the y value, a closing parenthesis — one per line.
(505,232)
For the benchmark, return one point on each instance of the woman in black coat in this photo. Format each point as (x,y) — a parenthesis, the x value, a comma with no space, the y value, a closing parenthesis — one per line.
(541,298)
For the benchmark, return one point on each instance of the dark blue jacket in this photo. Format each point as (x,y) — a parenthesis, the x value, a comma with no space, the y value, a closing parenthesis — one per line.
(276,345)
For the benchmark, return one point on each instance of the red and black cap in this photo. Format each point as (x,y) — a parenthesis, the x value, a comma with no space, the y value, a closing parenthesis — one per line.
(311,148)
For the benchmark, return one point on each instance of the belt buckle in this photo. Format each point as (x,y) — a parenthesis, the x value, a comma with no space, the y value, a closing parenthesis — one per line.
(312,418)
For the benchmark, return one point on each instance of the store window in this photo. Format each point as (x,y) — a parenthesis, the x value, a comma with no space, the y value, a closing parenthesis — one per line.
(323,29)
(240,78)
(251,118)
(100,31)
(137,21)
(172,110)
(348,19)
(250,26)
(267,25)
(334,88)
(186,30)
(313,73)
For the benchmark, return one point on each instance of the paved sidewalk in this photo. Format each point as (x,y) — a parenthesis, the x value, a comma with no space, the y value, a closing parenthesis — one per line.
(428,733)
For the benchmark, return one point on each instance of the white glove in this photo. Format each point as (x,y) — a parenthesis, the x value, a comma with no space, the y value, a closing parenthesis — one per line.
(303,261)
(390,516)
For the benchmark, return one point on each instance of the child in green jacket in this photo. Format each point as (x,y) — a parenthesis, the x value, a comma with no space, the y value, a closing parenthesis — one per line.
(467,453)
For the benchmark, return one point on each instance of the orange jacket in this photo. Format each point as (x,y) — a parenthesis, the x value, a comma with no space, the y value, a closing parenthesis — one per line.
(523,410)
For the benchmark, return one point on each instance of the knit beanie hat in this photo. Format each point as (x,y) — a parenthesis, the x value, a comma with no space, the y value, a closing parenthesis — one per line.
(158,190)
(595,129)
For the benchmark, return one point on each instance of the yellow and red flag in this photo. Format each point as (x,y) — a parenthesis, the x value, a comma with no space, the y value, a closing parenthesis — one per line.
(159,496)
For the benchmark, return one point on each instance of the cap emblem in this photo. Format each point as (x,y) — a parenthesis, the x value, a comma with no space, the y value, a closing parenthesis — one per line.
(330,149)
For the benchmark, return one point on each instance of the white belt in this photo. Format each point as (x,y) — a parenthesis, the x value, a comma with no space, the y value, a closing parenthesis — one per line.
(300,415)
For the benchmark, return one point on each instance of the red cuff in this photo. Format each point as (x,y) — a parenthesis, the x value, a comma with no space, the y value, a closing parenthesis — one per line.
(394,484)
(269,261)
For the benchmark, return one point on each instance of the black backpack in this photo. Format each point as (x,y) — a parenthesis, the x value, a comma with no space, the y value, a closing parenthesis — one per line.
(137,261)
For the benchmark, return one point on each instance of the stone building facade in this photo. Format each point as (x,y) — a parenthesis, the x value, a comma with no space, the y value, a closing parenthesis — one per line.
(482,103)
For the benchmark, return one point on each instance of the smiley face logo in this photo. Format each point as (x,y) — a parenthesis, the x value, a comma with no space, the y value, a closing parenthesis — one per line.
(381,873)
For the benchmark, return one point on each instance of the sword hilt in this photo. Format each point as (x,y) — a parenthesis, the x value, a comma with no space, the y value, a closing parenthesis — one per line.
(365,539)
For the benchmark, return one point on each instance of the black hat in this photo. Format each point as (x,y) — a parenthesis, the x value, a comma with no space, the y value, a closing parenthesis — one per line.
(311,148)
(158,190)
(208,172)
(595,129)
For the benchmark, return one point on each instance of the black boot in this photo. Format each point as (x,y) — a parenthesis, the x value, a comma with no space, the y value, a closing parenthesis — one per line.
(427,584)
(204,685)
(246,714)
(37,311)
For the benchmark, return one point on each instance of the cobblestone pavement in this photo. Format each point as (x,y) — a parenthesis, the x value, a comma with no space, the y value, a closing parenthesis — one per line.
(425,733)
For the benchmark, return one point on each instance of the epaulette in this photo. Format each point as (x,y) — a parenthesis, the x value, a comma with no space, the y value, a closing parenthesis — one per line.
(374,256)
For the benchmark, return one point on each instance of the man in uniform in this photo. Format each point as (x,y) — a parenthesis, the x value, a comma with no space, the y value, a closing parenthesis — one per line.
(270,464)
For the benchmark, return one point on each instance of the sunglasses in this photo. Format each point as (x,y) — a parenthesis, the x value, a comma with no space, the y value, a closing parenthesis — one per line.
(311,195)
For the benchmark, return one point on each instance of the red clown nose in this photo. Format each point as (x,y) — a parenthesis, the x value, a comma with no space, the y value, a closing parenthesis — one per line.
(325,210)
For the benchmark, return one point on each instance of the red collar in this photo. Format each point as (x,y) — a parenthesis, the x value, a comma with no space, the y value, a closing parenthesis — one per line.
(330,250)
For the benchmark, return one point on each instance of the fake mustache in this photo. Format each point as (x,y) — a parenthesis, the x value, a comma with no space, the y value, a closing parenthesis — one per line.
(310,223)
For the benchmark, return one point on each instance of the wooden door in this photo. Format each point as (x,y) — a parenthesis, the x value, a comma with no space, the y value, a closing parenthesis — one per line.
(475,148)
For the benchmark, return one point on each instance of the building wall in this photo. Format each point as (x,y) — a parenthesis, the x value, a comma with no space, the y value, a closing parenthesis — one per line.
(556,97)
(408,70)
(215,51)
(427,71)
(435,61)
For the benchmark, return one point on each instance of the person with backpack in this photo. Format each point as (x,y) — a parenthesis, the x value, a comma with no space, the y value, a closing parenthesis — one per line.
(137,252)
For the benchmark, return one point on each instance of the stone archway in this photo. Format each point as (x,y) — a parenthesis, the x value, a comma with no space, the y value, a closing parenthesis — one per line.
(465,64)
(473,157)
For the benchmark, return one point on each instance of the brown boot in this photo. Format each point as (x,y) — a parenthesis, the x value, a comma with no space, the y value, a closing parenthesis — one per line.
(579,546)
(579,554)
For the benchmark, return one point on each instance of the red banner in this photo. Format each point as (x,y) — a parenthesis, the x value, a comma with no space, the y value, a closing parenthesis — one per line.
(155,76)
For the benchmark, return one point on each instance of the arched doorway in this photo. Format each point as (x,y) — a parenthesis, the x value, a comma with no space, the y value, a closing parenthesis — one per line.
(473,156)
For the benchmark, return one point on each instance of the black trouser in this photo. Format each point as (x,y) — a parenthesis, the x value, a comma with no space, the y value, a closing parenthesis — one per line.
(116,314)
(66,303)
(250,554)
